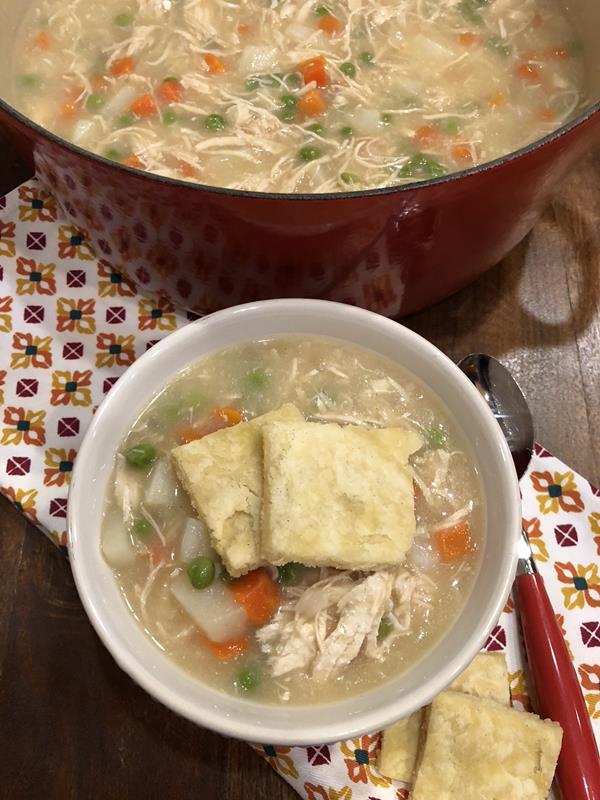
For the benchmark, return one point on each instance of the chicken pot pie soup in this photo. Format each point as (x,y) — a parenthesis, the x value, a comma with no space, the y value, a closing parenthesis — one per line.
(294,520)
(295,96)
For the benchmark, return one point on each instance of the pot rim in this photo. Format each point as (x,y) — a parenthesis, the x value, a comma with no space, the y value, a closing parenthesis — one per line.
(576,122)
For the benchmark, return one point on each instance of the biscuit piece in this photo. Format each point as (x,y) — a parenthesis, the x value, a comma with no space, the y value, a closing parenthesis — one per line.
(399,747)
(223,475)
(477,749)
(337,496)
(486,676)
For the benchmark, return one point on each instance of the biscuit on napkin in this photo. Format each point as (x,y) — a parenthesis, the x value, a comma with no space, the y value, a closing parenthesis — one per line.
(477,749)
(486,676)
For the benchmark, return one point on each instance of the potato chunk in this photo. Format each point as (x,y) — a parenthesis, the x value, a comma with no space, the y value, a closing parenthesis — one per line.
(337,496)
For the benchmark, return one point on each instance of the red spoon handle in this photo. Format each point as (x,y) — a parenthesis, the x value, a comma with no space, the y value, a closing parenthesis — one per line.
(557,692)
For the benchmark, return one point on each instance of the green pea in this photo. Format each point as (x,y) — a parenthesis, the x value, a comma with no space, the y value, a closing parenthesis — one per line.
(346,132)
(367,57)
(94,102)
(225,576)
(214,122)
(287,115)
(289,574)
(122,20)
(385,628)
(257,378)
(248,679)
(322,11)
(422,164)
(386,119)
(433,168)
(113,154)
(436,437)
(140,455)
(348,69)
(201,572)
(316,127)
(28,81)
(309,153)
(496,43)
(450,125)
(470,9)
(125,120)
(349,177)
(171,79)
(252,84)
(288,101)
(169,117)
(142,528)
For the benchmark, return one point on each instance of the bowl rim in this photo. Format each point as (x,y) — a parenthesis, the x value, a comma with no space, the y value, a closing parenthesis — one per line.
(326,729)
(586,114)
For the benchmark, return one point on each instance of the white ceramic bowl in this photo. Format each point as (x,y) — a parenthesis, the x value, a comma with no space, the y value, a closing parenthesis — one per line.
(283,724)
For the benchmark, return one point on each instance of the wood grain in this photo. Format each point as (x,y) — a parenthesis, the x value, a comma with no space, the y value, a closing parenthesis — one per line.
(75,726)
(538,312)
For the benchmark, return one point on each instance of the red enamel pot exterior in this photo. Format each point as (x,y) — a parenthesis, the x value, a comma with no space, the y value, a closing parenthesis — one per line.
(392,251)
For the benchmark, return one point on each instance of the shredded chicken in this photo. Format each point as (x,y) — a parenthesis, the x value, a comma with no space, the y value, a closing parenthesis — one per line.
(325,626)
(360,610)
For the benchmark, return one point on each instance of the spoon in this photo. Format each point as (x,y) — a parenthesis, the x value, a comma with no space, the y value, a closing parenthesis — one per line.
(557,694)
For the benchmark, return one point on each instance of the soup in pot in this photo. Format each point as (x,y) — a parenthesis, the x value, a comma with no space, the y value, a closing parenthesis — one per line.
(294,520)
(296,96)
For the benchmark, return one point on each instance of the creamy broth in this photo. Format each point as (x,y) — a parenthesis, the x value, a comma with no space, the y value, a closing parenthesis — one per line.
(327,381)
(292,96)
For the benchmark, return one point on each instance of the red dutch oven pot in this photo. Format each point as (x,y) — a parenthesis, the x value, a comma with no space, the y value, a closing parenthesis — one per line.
(393,251)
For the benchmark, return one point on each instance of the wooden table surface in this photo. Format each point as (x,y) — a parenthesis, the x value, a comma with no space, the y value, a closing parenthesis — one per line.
(72,725)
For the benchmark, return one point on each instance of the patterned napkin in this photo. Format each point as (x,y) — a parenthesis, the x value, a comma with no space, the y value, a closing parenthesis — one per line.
(70,326)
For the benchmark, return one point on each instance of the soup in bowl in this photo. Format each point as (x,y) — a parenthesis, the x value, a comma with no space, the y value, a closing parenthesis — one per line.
(288,505)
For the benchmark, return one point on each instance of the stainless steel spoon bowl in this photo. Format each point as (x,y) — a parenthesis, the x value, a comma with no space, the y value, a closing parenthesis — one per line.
(503,395)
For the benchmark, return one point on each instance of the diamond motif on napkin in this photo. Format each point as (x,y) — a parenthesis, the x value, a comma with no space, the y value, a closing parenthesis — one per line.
(590,634)
(33,314)
(108,383)
(36,240)
(496,639)
(566,535)
(18,465)
(115,315)
(318,755)
(68,426)
(76,278)
(27,387)
(58,507)
(73,351)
